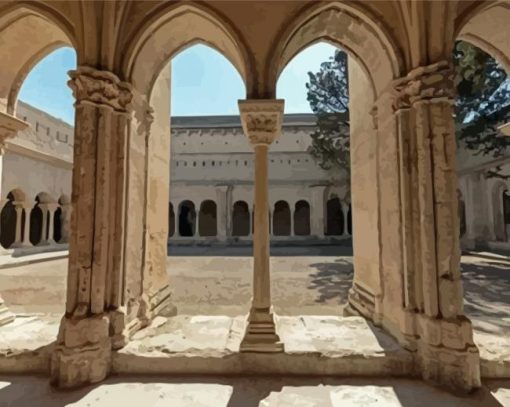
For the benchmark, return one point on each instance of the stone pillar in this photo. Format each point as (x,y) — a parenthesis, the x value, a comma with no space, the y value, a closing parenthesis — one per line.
(45,237)
(292,210)
(65,222)
(433,323)
(224,211)
(477,232)
(26,232)
(19,231)
(102,308)
(318,211)
(345,214)
(51,224)
(262,122)
(9,127)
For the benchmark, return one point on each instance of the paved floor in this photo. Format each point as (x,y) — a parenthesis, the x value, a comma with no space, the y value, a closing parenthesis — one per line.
(246,392)
(314,283)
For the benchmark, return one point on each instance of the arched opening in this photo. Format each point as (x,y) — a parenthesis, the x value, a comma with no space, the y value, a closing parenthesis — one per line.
(335,218)
(207,220)
(302,218)
(36,223)
(187,219)
(240,219)
(462,215)
(506,214)
(9,219)
(362,66)
(57,224)
(349,220)
(281,219)
(171,220)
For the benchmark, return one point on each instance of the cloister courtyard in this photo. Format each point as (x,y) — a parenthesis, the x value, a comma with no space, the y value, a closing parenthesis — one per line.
(304,281)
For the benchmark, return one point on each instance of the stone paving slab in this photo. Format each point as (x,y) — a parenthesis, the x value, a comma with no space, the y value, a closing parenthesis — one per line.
(314,345)
(20,391)
(26,344)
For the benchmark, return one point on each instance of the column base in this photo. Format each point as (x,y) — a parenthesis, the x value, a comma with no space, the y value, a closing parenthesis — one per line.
(447,354)
(82,355)
(363,303)
(261,334)
(5,315)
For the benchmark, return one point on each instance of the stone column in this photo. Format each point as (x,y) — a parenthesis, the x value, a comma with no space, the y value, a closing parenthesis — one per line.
(19,231)
(317,211)
(433,324)
(45,208)
(65,222)
(51,224)
(9,127)
(477,232)
(262,122)
(292,210)
(101,311)
(26,232)
(345,214)
(222,192)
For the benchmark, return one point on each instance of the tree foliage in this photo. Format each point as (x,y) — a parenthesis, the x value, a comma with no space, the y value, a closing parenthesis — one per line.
(482,105)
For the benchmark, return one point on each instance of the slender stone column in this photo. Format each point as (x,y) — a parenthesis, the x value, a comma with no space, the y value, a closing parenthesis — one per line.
(65,222)
(26,232)
(221,219)
(345,213)
(44,230)
(51,225)
(18,206)
(292,210)
(262,121)
(317,210)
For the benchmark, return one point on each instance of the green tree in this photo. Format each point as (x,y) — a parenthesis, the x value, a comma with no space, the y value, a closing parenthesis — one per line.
(480,106)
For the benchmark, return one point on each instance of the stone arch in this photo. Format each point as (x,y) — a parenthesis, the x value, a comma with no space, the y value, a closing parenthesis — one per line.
(335,222)
(171,29)
(486,26)
(37,30)
(345,25)
(240,219)
(171,220)
(9,218)
(207,219)
(302,218)
(187,219)
(281,219)
(498,211)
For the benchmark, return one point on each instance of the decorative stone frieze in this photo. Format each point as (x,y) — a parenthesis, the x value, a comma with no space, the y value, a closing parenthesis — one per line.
(430,83)
(101,88)
(261,119)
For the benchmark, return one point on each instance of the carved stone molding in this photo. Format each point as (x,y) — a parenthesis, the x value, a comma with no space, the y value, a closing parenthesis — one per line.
(9,127)
(261,119)
(100,88)
(431,83)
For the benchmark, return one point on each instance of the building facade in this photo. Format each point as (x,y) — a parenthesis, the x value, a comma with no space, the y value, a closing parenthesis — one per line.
(212,172)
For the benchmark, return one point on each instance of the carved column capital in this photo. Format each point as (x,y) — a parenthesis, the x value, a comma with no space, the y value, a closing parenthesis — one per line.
(261,119)
(430,83)
(100,88)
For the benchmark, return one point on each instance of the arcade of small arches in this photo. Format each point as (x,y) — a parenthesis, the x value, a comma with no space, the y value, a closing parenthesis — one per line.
(289,221)
(26,223)
(407,278)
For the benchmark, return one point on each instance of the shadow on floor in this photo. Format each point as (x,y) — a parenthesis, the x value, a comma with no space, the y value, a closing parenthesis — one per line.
(240,392)
(332,280)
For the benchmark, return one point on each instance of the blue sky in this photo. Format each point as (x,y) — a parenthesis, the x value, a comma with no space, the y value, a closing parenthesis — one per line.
(203,82)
